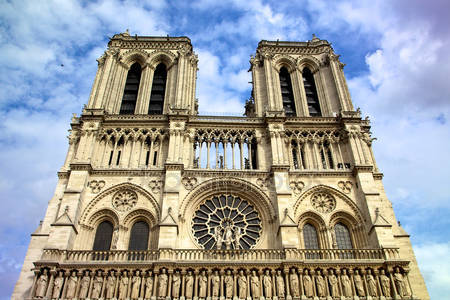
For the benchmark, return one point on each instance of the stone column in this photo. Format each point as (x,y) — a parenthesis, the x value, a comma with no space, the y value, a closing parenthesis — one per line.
(222,295)
(287,284)
(49,292)
(196,272)
(274,286)
(102,292)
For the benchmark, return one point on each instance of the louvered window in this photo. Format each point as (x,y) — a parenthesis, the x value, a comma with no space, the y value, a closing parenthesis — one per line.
(103,236)
(158,91)
(139,236)
(286,92)
(131,90)
(311,93)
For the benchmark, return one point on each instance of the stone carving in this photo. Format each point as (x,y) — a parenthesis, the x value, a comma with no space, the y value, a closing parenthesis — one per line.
(334,288)
(263,183)
(57,285)
(176,283)
(84,289)
(280,284)
(115,238)
(162,284)
(42,285)
(295,288)
(215,283)
(255,285)
(242,283)
(308,284)
(218,237)
(345,186)
(135,285)
(320,282)
(96,185)
(123,287)
(124,200)
(323,202)
(189,285)
(371,284)
(97,286)
(189,182)
(149,285)
(228,285)
(110,285)
(359,284)
(385,284)
(71,285)
(155,186)
(399,283)
(346,284)
(297,186)
(202,285)
(267,282)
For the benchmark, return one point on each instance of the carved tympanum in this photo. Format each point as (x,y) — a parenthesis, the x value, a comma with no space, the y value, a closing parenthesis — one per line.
(124,200)
(345,186)
(323,202)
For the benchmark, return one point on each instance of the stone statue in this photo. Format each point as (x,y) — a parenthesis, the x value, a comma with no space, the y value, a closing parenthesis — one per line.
(202,285)
(42,285)
(228,237)
(110,285)
(346,284)
(71,285)
(123,287)
(97,286)
(162,284)
(219,239)
(237,237)
(115,238)
(334,288)
(371,284)
(189,285)
(242,283)
(399,283)
(255,285)
(215,282)
(280,284)
(385,284)
(149,285)
(228,280)
(359,284)
(176,283)
(295,288)
(57,285)
(308,284)
(320,283)
(85,281)
(135,285)
(267,283)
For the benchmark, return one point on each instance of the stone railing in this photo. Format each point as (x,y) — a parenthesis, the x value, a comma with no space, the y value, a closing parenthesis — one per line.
(192,255)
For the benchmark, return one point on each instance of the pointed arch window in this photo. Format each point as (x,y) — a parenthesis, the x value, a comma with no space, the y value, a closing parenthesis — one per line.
(158,90)
(311,93)
(286,92)
(310,237)
(139,236)
(131,90)
(103,236)
(343,239)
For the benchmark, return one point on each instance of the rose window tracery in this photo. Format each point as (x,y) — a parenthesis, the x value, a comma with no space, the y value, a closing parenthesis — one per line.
(226,222)
(323,202)
(124,200)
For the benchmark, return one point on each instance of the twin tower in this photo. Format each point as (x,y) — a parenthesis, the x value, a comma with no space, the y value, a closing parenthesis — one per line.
(157,202)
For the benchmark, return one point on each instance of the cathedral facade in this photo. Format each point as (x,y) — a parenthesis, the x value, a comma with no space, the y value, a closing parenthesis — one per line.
(157,202)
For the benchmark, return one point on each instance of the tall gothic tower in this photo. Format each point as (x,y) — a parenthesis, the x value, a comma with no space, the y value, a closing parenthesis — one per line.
(157,202)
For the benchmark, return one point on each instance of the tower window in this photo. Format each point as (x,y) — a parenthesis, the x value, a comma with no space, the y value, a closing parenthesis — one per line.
(287,95)
(139,236)
(310,237)
(343,239)
(131,90)
(158,90)
(103,236)
(311,93)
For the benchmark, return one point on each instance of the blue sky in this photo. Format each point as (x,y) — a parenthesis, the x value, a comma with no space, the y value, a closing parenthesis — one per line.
(398,68)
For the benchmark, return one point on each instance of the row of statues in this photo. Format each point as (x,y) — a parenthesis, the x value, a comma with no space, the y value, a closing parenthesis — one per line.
(166,284)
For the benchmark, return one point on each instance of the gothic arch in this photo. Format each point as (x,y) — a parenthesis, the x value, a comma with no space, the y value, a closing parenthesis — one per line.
(132,56)
(337,194)
(139,215)
(236,186)
(308,61)
(103,215)
(284,61)
(312,217)
(85,216)
(165,57)
(343,217)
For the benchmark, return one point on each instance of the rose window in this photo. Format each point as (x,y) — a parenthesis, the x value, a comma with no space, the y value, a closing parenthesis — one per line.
(124,200)
(226,222)
(323,202)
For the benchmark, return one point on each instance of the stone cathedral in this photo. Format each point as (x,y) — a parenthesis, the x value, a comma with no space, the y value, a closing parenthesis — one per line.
(155,201)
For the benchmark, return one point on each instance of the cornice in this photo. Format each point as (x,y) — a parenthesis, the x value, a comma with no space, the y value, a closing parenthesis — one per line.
(128,172)
(223,173)
(81,166)
(320,173)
